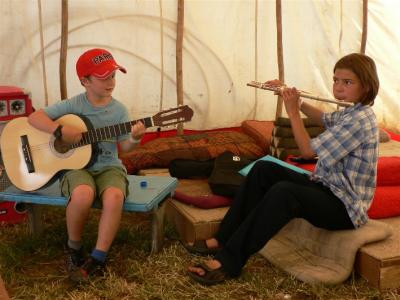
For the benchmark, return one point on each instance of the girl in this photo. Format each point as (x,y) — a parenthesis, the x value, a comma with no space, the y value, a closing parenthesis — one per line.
(336,196)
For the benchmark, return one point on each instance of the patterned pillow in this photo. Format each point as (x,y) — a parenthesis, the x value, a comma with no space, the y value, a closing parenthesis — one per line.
(160,152)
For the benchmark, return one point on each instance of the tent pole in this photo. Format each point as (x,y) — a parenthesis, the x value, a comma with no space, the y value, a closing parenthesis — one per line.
(46,94)
(161,55)
(364,27)
(255,56)
(179,47)
(63,49)
(280,55)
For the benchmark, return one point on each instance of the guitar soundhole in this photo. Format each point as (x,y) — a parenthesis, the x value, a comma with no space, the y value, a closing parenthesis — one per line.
(61,147)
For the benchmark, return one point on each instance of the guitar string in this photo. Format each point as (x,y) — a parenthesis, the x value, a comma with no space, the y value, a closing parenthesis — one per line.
(46,145)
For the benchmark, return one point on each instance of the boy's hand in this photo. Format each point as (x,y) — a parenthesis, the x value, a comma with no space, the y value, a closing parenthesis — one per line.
(70,135)
(138,130)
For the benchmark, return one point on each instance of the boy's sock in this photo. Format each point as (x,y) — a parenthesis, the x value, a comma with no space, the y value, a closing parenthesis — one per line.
(99,255)
(76,245)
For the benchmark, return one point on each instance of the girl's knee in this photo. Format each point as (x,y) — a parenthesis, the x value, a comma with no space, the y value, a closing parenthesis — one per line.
(262,168)
(282,194)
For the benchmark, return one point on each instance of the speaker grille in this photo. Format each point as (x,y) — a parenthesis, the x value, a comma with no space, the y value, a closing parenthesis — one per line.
(4,180)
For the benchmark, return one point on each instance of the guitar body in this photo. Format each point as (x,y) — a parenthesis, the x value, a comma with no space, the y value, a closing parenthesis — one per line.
(32,157)
(47,161)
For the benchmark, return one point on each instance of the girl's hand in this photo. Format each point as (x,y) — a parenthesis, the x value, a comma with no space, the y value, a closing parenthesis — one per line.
(275,83)
(291,99)
(291,96)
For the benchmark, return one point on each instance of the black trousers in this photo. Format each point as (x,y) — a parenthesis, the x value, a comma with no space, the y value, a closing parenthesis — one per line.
(269,198)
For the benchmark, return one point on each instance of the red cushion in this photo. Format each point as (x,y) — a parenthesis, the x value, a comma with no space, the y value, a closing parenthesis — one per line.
(394,136)
(308,167)
(205,201)
(386,202)
(388,171)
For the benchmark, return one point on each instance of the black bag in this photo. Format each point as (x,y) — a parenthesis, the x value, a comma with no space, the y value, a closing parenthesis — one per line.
(190,169)
(225,178)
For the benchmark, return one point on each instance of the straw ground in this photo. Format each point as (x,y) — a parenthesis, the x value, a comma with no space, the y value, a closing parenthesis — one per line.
(34,268)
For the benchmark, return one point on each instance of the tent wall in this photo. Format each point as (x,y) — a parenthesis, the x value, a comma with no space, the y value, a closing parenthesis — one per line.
(225,45)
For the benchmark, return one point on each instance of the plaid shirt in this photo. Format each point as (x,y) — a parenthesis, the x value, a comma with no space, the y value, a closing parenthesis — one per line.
(348,156)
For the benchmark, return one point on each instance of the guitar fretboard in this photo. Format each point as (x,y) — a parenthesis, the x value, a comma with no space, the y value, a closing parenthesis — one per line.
(104,133)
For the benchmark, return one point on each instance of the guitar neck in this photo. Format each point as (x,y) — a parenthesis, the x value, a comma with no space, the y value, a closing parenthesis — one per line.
(104,133)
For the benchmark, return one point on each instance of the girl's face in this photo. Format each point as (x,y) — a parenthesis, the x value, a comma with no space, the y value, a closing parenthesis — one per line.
(347,86)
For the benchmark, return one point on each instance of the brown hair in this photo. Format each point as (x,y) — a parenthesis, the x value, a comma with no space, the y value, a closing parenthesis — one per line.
(365,69)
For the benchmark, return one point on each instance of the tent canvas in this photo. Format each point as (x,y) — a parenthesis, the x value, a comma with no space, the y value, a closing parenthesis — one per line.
(225,45)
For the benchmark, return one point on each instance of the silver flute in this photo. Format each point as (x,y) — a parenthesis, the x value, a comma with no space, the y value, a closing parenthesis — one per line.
(278,89)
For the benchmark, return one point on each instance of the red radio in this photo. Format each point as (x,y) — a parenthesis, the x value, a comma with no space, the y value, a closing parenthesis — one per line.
(14,103)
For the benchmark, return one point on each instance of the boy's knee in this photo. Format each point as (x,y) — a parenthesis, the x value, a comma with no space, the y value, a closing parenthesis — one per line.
(83,193)
(113,194)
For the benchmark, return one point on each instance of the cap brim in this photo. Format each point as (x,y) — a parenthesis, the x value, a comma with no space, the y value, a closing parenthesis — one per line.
(107,70)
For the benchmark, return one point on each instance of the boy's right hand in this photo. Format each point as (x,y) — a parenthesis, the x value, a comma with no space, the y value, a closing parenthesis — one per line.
(70,135)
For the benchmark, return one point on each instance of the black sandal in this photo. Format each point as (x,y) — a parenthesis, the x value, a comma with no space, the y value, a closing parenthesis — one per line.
(200,247)
(211,276)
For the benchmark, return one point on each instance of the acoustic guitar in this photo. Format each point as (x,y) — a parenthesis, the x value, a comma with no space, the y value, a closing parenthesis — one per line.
(32,157)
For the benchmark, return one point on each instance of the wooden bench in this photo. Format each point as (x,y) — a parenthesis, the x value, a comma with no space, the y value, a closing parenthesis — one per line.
(146,194)
(379,263)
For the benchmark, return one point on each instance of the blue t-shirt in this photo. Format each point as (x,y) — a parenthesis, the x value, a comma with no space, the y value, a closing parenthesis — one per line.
(111,114)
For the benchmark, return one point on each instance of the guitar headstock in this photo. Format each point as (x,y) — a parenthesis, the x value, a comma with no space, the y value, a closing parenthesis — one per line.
(173,116)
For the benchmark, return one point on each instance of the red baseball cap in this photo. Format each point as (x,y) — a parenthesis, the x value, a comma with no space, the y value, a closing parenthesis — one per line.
(98,63)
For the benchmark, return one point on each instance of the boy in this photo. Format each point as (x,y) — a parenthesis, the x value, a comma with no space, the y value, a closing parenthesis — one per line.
(106,178)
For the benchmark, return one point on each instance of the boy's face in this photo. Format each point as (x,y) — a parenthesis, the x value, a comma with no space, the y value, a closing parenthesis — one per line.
(347,86)
(102,88)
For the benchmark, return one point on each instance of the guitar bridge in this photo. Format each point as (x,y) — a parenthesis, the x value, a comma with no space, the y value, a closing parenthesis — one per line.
(26,150)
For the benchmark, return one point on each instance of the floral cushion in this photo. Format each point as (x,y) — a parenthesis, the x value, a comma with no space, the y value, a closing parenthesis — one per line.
(204,146)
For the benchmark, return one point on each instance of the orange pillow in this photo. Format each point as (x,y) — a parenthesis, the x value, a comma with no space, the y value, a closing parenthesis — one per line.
(260,131)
